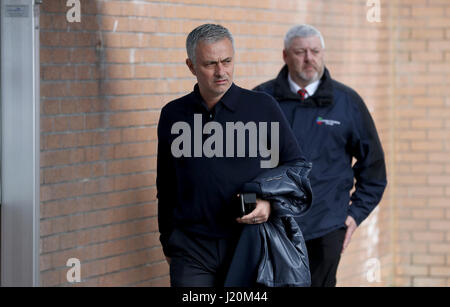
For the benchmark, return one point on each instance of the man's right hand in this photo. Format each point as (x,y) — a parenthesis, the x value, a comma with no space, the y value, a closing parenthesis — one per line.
(259,215)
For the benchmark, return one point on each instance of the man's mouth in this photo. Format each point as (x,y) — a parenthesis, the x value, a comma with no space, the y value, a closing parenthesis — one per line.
(221,81)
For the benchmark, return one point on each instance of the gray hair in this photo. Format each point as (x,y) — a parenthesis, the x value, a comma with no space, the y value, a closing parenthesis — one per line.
(302,31)
(209,33)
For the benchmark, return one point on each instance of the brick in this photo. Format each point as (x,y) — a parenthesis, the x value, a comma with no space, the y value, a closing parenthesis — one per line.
(427,12)
(411,45)
(411,157)
(428,213)
(54,89)
(157,282)
(428,236)
(60,191)
(411,180)
(425,123)
(440,225)
(402,146)
(54,175)
(139,134)
(83,55)
(439,157)
(128,166)
(134,150)
(439,22)
(438,68)
(429,259)
(93,122)
(427,191)
(428,79)
(428,34)
(426,146)
(410,113)
(442,271)
(426,168)
(82,105)
(412,202)
(439,248)
(412,270)
(69,123)
(139,102)
(438,135)
(402,281)
(439,45)
(428,101)
(412,247)
(427,56)
(50,107)
(126,119)
(439,112)
(437,202)
(429,282)
(402,168)
(439,180)
(403,124)
(412,225)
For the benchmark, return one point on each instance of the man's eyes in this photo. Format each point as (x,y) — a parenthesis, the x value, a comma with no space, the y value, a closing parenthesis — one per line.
(302,52)
(215,63)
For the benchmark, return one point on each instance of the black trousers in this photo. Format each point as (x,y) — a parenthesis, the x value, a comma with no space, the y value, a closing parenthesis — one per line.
(324,254)
(198,261)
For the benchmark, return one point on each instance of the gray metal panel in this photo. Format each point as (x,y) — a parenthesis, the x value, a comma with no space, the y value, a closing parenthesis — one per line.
(20,144)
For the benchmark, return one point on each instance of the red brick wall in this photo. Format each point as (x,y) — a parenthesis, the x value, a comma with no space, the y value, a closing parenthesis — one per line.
(99,116)
(422,135)
(105,79)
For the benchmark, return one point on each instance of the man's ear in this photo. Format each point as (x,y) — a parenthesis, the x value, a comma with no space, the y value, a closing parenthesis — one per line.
(284,55)
(191,66)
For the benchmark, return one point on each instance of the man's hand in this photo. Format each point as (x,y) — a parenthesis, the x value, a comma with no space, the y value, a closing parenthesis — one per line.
(259,215)
(351,227)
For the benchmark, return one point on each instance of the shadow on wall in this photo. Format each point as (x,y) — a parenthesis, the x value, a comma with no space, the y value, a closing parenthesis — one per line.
(98,145)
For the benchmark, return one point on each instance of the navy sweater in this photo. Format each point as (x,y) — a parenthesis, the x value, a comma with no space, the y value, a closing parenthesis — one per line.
(195,193)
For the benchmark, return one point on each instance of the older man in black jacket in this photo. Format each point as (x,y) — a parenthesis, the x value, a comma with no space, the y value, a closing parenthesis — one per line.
(333,125)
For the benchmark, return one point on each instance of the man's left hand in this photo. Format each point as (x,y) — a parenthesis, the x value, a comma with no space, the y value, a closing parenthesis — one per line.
(351,227)
(259,215)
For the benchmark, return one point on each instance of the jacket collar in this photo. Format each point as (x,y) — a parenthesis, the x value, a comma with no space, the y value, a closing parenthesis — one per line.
(321,98)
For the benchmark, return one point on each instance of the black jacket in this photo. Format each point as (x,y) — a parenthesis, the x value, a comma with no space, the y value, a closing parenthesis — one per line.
(332,127)
(274,253)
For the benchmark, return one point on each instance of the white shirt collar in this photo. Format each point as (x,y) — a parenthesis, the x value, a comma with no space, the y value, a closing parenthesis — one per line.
(311,88)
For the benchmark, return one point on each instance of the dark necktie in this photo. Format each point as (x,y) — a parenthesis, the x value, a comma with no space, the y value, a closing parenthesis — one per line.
(302,93)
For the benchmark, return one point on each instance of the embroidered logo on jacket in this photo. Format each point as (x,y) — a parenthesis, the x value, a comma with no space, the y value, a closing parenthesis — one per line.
(327,122)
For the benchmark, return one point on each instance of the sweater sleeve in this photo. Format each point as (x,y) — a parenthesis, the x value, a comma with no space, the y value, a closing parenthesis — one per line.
(369,169)
(165,183)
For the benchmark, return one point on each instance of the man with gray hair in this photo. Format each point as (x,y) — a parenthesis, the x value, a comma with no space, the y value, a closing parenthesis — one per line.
(197,222)
(333,125)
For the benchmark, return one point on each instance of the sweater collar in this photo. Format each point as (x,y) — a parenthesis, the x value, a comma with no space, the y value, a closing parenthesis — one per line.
(230,99)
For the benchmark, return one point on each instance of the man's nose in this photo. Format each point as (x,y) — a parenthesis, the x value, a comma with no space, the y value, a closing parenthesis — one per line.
(219,69)
(308,55)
